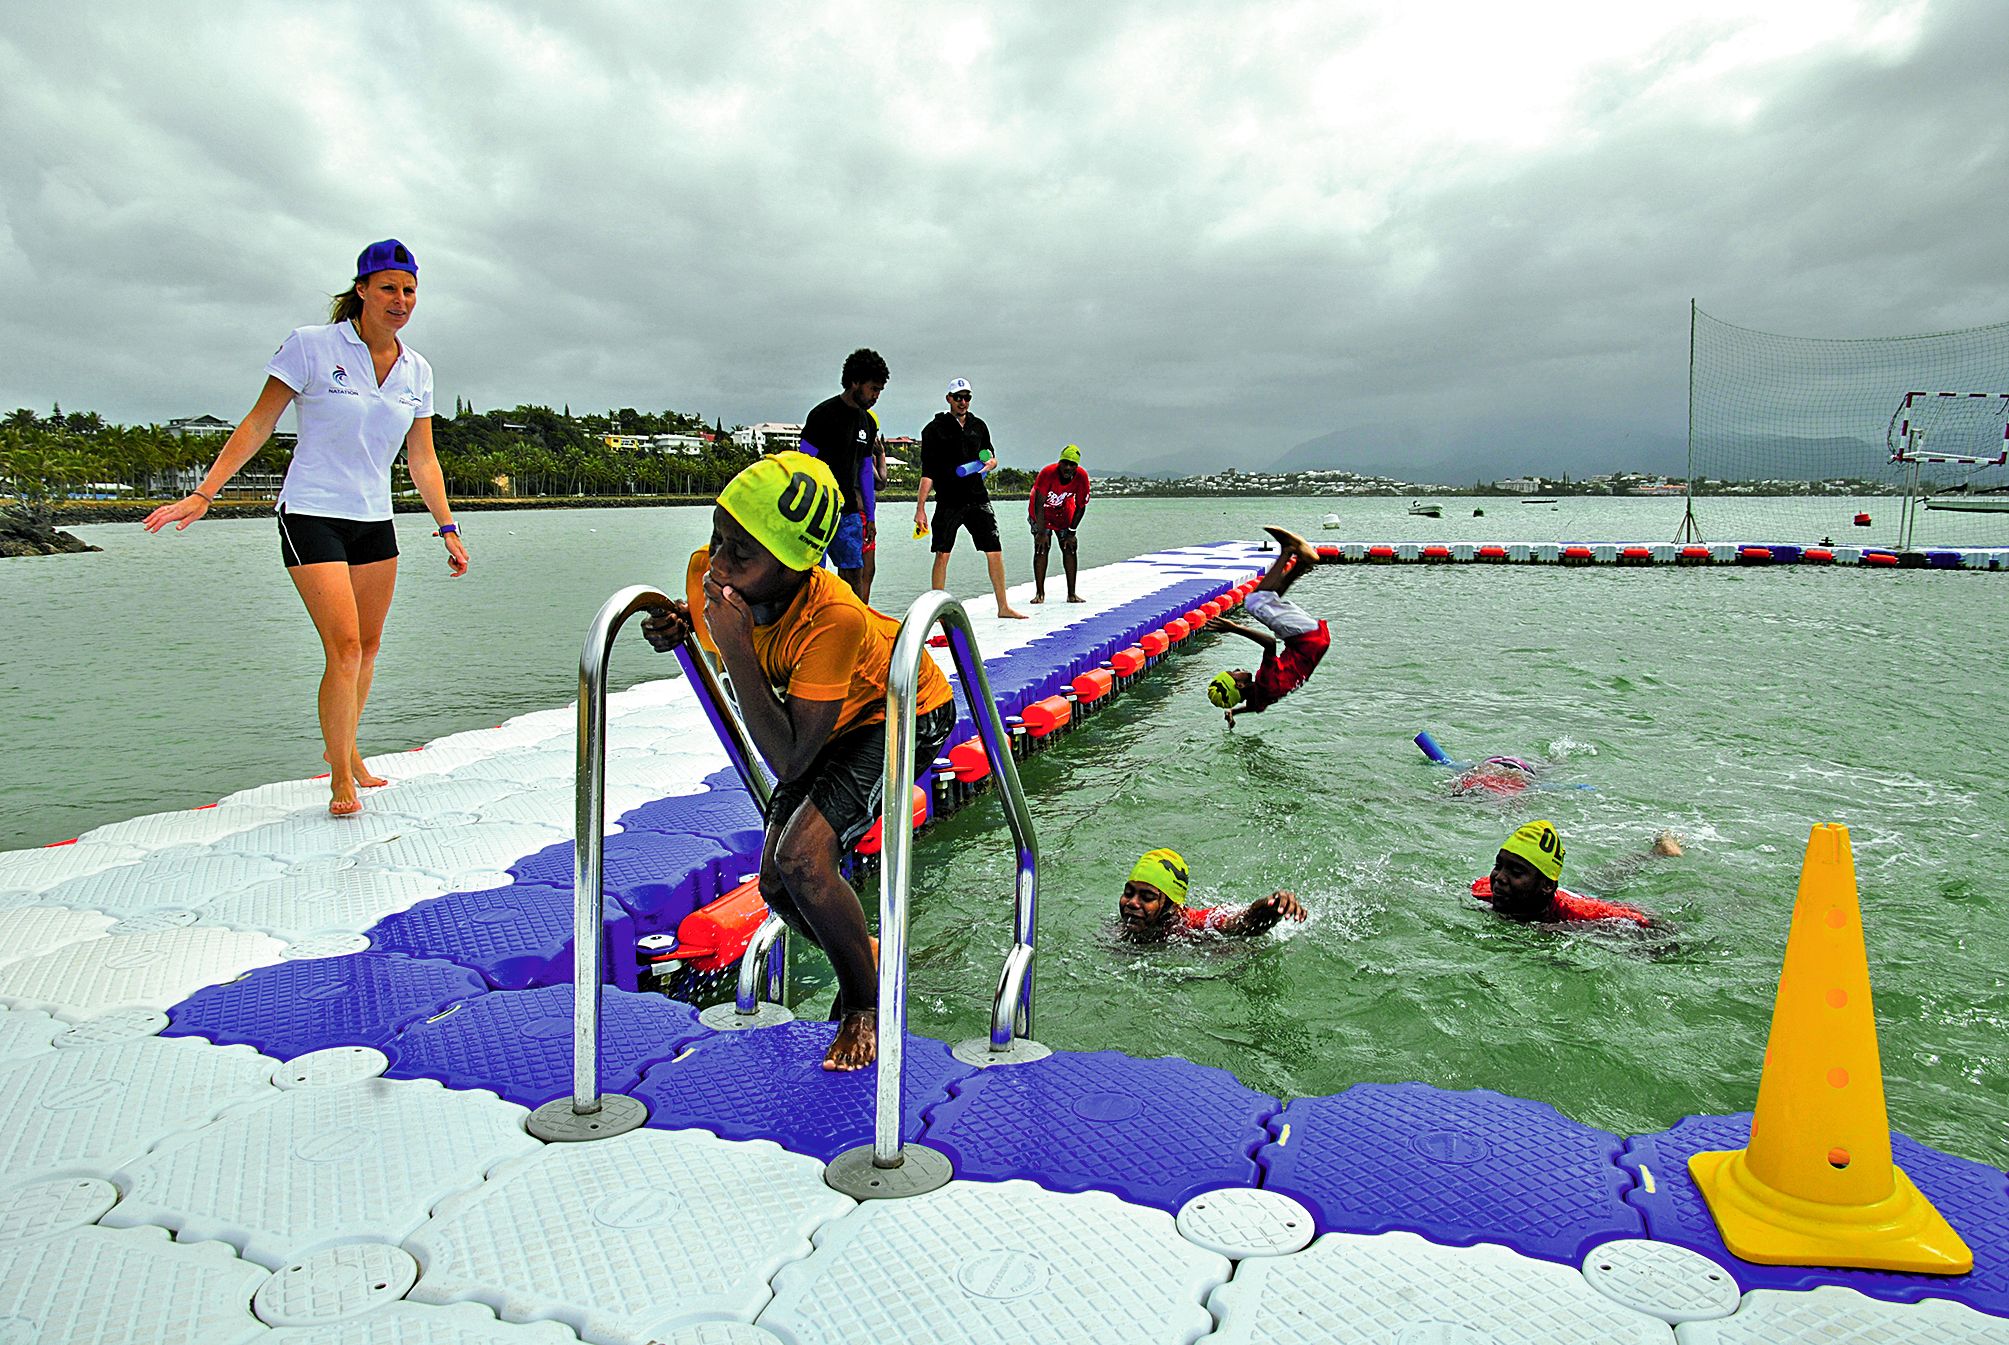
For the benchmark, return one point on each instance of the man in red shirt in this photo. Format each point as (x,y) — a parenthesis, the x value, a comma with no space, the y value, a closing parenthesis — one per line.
(1304,640)
(1058,501)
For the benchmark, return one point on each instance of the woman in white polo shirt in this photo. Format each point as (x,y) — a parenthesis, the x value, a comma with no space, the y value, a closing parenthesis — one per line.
(359,394)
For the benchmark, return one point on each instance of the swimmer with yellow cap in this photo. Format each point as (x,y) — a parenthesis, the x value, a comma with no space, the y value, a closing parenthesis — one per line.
(1153,906)
(808,659)
(1526,878)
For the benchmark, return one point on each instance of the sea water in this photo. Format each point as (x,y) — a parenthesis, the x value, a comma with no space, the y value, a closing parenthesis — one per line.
(1735,707)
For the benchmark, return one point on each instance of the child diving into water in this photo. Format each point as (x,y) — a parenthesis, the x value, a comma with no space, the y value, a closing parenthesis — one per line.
(808,661)
(1304,639)
(1153,906)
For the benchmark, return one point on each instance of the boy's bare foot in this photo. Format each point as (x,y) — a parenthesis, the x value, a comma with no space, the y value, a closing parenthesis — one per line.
(857,1043)
(1290,541)
(1038,598)
(1076,597)
(1010,615)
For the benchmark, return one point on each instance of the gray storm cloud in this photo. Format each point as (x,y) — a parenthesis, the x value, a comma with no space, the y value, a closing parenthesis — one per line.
(1173,234)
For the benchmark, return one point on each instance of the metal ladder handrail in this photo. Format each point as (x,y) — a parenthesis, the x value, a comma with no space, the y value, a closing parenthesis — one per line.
(767,950)
(587,1113)
(1012,1008)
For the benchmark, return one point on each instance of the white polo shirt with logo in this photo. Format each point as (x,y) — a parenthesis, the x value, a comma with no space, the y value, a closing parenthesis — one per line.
(350,427)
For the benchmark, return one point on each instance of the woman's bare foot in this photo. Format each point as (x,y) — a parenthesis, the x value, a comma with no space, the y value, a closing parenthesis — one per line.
(1076,597)
(343,801)
(857,1043)
(361,772)
(1038,598)
(1010,614)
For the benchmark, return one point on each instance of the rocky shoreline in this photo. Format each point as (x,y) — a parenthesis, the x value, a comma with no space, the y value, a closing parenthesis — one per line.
(18,537)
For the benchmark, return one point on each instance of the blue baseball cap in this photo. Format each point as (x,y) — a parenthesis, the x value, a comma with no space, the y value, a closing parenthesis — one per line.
(389,255)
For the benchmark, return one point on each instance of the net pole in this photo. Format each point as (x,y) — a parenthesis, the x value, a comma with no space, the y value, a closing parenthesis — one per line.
(1688,532)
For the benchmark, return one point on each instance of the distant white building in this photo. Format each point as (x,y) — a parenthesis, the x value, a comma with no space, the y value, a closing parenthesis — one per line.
(770,436)
(1527,485)
(188,425)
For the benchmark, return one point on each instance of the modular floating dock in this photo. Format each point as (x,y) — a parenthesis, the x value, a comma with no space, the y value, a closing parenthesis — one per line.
(264,1075)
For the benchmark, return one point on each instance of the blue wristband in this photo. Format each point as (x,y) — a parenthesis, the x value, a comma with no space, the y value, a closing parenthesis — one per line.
(445,528)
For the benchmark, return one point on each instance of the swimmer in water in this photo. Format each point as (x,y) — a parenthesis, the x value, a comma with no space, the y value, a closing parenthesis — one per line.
(1153,906)
(1496,775)
(1304,640)
(1524,883)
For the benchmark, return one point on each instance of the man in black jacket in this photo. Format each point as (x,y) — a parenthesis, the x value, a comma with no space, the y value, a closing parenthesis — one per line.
(956,456)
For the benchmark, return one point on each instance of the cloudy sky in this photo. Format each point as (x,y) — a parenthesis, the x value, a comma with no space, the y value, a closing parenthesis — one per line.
(1155,229)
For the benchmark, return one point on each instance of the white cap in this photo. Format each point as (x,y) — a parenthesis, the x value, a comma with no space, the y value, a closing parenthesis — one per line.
(957,385)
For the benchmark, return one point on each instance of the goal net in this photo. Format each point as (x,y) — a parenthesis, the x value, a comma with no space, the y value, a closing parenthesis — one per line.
(1797,439)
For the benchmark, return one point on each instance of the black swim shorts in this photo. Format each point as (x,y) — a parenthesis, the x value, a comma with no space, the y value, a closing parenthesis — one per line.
(847,781)
(311,539)
(975,516)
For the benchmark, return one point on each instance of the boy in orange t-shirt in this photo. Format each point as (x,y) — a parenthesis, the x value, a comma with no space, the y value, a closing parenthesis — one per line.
(808,660)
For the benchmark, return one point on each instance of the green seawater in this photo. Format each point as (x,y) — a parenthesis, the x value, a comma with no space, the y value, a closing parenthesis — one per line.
(1736,707)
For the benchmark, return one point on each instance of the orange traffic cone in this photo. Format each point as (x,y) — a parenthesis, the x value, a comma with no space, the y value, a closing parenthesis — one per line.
(1816,1186)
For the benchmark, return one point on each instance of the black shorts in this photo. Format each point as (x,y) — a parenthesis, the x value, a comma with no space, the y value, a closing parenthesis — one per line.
(847,781)
(310,539)
(976,516)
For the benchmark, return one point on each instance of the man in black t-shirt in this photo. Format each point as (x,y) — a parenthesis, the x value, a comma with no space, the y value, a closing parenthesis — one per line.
(842,432)
(956,456)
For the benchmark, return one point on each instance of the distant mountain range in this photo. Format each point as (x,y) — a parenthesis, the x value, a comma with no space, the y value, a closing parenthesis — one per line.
(1410,454)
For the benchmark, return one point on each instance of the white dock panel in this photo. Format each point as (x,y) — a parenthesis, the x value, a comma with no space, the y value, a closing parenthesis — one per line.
(414,1324)
(628,1237)
(144,1289)
(314,1166)
(39,870)
(312,834)
(1832,1315)
(97,1108)
(1347,1289)
(529,767)
(139,971)
(324,896)
(1003,1263)
(54,1205)
(191,826)
(25,1033)
(35,928)
(462,854)
(187,876)
(432,795)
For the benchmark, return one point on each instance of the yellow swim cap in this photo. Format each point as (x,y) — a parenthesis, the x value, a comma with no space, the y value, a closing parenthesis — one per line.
(1071,454)
(1224,691)
(1164,870)
(789,502)
(1541,845)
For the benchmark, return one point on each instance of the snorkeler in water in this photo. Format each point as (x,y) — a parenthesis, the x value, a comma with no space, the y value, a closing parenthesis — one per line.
(1153,906)
(1304,640)
(1524,883)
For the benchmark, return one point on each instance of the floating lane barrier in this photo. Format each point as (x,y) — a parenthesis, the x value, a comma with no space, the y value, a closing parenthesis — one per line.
(1648,554)
(279,1076)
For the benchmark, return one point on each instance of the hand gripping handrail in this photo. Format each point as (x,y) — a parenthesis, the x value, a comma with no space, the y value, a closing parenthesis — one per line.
(587,1114)
(890,1173)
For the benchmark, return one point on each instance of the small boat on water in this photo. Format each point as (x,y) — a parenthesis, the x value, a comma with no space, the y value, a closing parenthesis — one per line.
(1329,521)
(1422,510)
(1539,499)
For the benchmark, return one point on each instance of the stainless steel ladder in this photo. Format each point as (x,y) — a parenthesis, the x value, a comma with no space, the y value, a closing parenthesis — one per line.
(587,1113)
(886,1168)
